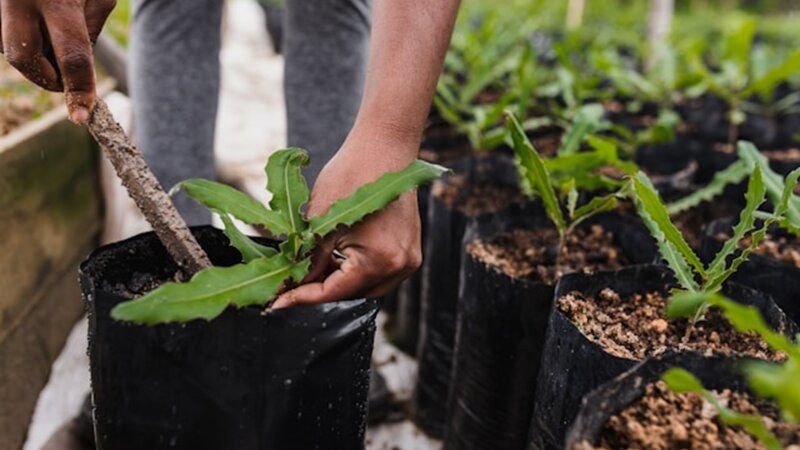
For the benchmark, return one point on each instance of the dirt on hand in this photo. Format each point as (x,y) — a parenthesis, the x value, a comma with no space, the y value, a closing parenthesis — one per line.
(663,420)
(636,326)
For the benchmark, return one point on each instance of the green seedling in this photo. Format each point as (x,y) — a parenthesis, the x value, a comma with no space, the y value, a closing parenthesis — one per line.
(691,274)
(731,175)
(264,271)
(571,171)
(746,71)
(680,381)
(775,381)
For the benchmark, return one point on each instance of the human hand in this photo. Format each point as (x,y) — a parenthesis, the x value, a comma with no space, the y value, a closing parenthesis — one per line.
(50,43)
(370,258)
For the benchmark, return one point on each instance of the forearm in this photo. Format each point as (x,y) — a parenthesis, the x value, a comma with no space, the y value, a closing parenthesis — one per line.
(409,42)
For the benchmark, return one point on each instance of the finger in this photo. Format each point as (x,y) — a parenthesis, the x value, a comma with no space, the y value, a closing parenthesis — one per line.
(96,13)
(340,285)
(22,44)
(73,50)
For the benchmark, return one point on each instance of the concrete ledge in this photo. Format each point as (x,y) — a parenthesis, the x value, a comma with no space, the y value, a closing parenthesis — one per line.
(50,216)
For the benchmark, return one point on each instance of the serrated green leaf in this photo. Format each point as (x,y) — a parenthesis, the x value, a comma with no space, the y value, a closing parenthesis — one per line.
(686,305)
(773,181)
(212,290)
(681,381)
(288,186)
(663,230)
(719,270)
(747,318)
(733,174)
(534,173)
(680,267)
(225,199)
(572,198)
(596,205)
(588,120)
(374,196)
(752,424)
(765,84)
(788,192)
(778,382)
(249,249)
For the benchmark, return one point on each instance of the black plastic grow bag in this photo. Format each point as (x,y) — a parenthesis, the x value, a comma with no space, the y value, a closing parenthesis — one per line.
(501,332)
(715,372)
(294,378)
(499,338)
(572,365)
(439,289)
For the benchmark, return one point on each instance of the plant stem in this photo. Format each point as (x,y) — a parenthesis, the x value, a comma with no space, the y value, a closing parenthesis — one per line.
(145,190)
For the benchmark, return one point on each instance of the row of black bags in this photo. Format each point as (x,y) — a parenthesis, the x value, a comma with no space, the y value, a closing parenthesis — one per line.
(499,367)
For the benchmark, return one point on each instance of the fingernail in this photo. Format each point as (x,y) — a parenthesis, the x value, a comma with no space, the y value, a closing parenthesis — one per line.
(79,115)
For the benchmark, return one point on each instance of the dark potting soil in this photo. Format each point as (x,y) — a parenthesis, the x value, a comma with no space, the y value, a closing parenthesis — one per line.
(477,199)
(532,254)
(635,326)
(139,284)
(663,420)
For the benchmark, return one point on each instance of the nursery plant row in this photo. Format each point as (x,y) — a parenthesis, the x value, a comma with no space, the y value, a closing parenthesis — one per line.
(610,253)
(613,241)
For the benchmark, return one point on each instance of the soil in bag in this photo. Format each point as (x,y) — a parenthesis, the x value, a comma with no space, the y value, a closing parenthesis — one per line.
(638,411)
(773,268)
(509,268)
(481,185)
(294,378)
(603,324)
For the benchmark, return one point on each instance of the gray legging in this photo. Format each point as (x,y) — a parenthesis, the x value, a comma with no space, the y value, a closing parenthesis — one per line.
(175,79)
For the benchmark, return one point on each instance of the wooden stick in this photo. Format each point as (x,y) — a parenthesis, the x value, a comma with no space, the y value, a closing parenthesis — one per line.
(146,191)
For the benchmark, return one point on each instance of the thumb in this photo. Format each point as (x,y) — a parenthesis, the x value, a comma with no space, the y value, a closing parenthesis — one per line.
(342,284)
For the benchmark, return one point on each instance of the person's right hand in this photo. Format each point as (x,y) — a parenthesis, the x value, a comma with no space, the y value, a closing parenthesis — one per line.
(50,42)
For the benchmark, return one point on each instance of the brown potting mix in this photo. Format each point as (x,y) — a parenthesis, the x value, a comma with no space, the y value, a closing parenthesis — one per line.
(636,326)
(480,199)
(663,420)
(534,254)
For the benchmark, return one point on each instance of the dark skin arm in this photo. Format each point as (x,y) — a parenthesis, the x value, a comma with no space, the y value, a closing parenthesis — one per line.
(409,41)
(50,42)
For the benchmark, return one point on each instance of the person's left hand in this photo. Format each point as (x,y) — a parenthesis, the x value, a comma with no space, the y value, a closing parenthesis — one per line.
(374,255)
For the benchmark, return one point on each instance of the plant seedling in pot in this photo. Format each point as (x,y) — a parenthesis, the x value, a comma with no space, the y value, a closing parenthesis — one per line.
(572,170)
(692,275)
(775,381)
(264,271)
